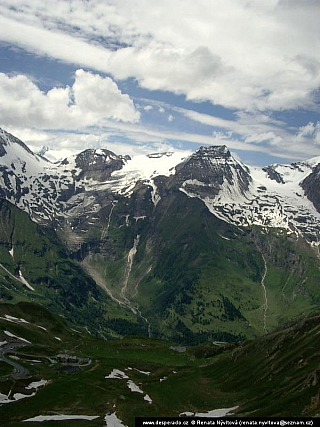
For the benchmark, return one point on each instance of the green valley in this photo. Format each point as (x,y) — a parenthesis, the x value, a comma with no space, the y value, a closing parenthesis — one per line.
(193,379)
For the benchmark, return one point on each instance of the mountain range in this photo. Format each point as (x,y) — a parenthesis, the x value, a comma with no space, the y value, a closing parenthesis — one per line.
(183,246)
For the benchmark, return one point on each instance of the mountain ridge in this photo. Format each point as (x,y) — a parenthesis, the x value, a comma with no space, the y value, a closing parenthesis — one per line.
(196,246)
(224,184)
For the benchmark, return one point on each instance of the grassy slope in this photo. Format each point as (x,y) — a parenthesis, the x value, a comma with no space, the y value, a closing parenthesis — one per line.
(195,277)
(59,282)
(205,277)
(274,375)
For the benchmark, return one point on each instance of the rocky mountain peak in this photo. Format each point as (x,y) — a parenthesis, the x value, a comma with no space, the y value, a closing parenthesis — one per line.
(217,151)
(214,165)
(97,164)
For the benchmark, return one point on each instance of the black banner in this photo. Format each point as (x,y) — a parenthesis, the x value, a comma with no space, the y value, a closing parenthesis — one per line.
(223,422)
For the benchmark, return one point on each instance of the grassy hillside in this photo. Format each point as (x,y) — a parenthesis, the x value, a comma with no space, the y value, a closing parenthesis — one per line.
(33,254)
(195,277)
(176,270)
(275,375)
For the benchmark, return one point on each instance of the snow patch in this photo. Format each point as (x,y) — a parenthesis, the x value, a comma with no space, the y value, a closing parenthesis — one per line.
(15,336)
(155,196)
(24,281)
(41,418)
(36,384)
(133,387)
(116,374)
(139,217)
(143,372)
(13,319)
(120,375)
(223,237)
(148,399)
(113,421)
(214,413)
(17,396)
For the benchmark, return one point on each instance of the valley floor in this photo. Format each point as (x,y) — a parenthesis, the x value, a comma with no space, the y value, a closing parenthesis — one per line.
(277,374)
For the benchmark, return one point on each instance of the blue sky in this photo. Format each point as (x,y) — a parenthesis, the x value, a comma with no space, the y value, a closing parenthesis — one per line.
(139,76)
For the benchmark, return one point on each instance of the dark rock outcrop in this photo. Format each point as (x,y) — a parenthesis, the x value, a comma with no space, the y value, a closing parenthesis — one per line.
(311,185)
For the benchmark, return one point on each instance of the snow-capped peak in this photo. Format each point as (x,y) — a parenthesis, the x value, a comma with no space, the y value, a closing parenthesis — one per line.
(16,156)
(270,197)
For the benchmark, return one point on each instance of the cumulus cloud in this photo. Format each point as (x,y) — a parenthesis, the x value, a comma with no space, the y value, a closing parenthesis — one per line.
(253,55)
(101,98)
(90,101)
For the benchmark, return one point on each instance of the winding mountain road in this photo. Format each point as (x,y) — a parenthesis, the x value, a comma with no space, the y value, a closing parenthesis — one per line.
(18,370)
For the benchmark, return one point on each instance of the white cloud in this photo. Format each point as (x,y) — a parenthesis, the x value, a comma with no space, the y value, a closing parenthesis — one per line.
(253,55)
(90,101)
(250,131)
(269,137)
(100,98)
(148,140)
(309,133)
(245,125)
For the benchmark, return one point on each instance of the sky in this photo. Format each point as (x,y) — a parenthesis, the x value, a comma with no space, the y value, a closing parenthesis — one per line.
(143,76)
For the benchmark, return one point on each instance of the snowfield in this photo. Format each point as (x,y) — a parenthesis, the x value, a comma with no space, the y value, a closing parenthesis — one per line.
(223,412)
(41,418)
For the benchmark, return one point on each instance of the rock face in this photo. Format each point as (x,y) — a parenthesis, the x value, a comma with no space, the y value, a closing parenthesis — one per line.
(211,167)
(214,165)
(311,186)
(98,164)
(273,174)
(210,171)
